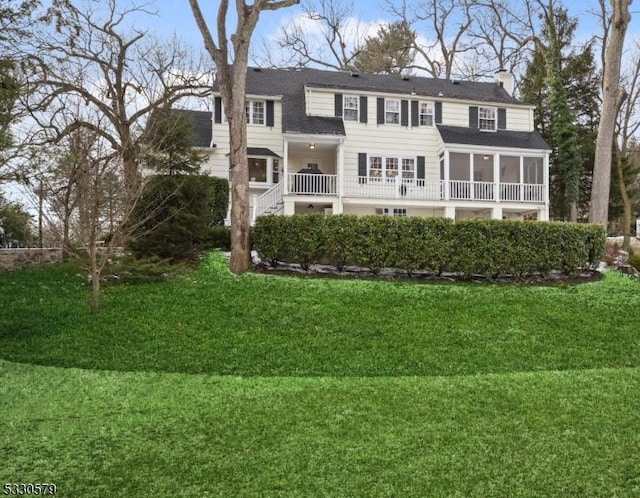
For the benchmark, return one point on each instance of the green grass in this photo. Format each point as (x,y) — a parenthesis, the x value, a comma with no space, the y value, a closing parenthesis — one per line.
(214,385)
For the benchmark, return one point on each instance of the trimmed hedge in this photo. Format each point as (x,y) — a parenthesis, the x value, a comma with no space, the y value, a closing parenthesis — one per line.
(468,247)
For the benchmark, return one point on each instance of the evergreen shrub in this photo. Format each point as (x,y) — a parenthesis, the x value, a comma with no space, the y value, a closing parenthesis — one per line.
(467,247)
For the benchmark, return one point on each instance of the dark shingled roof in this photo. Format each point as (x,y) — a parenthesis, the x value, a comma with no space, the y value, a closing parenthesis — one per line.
(500,138)
(201,126)
(260,151)
(290,84)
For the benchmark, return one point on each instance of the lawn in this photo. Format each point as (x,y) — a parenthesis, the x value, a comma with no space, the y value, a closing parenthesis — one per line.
(214,385)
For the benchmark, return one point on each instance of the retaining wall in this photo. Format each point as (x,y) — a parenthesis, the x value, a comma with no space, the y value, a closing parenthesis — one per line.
(17,258)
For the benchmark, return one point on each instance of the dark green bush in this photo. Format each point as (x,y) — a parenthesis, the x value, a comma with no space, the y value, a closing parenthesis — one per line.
(487,247)
(634,260)
(173,217)
(219,237)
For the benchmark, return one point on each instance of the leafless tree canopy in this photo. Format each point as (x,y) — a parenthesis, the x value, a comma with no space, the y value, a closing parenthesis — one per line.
(89,53)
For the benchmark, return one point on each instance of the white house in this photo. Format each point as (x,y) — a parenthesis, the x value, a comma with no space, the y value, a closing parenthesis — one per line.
(340,142)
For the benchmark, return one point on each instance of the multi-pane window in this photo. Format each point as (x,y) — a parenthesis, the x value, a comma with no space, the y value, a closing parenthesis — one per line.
(382,167)
(350,108)
(426,114)
(408,169)
(375,167)
(391,167)
(486,118)
(392,111)
(392,211)
(254,110)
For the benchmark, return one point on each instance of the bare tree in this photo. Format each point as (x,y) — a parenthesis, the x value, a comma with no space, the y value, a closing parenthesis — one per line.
(627,127)
(503,35)
(612,97)
(444,26)
(232,82)
(90,55)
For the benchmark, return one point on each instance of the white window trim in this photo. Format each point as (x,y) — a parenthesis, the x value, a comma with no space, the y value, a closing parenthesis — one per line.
(396,212)
(250,103)
(430,113)
(383,170)
(269,172)
(356,108)
(494,110)
(398,112)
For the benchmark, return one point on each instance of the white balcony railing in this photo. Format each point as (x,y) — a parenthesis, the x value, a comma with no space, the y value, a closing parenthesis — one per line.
(411,188)
(313,184)
(267,200)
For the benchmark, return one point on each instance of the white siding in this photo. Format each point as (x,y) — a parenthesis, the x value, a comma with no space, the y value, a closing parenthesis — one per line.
(257,136)
(320,103)
(457,114)
(411,211)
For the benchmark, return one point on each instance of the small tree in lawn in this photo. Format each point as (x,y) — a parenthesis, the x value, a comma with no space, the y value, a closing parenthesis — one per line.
(232,81)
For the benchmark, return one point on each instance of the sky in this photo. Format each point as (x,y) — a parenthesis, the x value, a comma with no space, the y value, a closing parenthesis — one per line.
(175,16)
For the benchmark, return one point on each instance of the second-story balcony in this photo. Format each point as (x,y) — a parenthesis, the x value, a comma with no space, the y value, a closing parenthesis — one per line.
(305,184)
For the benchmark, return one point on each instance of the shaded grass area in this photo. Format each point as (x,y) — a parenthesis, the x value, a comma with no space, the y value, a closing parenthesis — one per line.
(208,321)
(147,434)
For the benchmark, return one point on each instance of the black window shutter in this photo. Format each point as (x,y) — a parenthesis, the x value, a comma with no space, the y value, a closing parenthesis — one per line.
(415,118)
(404,113)
(270,118)
(363,109)
(473,117)
(420,164)
(438,113)
(338,105)
(502,119)
(380,110)
(217,110)
(362,164)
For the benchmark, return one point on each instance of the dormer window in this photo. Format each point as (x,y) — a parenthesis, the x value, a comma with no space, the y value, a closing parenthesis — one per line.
(392,111)
(255,111)
(350,111)
(487,118)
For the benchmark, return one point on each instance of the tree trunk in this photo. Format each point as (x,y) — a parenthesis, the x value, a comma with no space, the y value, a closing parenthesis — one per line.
(599,209)
(240,260)
(626,224)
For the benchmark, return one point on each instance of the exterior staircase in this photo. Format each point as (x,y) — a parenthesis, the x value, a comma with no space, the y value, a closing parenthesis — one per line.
(269,202)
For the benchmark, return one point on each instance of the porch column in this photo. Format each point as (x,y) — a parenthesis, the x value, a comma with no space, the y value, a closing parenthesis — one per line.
(450,212)
(285,168)
(543,214)
(521,193)
(289,208)
(496,176)
(471,176)
(496,213)
(336,206)
(447,187)
(340,171)
(545,180)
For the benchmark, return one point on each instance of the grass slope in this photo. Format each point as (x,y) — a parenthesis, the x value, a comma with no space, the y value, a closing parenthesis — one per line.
(97,434)
(213,385)
(211,322)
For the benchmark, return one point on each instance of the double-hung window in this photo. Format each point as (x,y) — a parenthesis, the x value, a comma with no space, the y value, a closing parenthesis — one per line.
(255,111)
(487,118)
(408,168)
(426,114)
(392,111)
(386,169)
(350,108)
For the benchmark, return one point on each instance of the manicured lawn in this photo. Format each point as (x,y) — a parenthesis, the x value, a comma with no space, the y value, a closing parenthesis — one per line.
(213,385)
